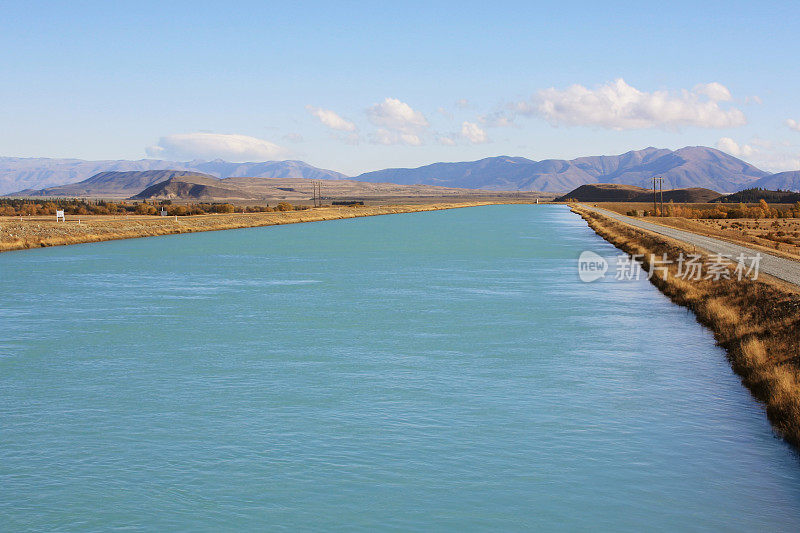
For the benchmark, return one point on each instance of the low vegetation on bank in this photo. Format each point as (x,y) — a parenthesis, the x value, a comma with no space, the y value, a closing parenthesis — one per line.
(35,232)
(756,211)
(757,322)
(35,207)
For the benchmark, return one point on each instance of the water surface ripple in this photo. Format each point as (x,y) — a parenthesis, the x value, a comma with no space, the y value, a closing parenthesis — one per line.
(443,370)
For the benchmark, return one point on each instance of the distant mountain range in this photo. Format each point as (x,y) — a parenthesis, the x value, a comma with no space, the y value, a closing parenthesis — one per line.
(18,174)
(114,184)
(782,181)
(690,167)
(694,166)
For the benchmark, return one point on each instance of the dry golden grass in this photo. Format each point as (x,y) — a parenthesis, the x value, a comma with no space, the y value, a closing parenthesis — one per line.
(722,312)
(624,207)
(754,355)
(36,232)
(757,322)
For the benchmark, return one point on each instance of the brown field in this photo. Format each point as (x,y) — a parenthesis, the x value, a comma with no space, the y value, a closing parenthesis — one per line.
(624,207)
(300,191)
(17,233)
(757,322)
(776,236)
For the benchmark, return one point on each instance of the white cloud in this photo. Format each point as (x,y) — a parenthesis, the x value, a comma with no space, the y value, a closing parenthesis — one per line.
(716,92)
(793,124)
(446,141)
(473,133)
(392,114)
(331,119)
(386,137)
(463,103)
(398,123)
(383,136)
(766,155)
(410,139)
(620,106)
(728,145)
(208,146)
(778,161)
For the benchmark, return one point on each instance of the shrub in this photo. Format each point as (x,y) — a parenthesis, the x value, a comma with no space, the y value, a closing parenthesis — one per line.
(224,208)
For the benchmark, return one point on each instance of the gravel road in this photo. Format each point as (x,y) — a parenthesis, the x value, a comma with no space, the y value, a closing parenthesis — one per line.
(779,267)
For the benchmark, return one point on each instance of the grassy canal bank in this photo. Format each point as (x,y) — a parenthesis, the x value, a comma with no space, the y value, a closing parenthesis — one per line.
(756,321)
(19,233)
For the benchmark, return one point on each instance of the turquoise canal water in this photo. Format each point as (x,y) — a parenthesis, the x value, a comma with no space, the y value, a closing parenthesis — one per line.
(428,371)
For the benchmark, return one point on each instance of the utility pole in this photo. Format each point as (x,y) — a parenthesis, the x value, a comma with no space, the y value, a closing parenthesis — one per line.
(317,185)
(660,181)
(314,189)
(654,195)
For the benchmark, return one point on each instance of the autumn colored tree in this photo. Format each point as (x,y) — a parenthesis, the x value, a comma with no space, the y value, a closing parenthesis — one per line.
(224,208)
(145,209)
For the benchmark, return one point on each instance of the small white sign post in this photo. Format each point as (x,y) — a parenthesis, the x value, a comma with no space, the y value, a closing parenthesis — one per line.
(60,216)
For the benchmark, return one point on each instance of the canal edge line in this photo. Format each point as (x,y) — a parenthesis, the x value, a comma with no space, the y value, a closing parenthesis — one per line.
(756,322)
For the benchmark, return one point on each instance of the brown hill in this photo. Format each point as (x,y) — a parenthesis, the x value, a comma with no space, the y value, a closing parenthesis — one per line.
(114,184)
(193,188)
(612,192)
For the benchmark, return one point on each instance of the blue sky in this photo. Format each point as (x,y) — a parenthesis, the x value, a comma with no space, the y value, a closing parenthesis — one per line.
(357,86)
